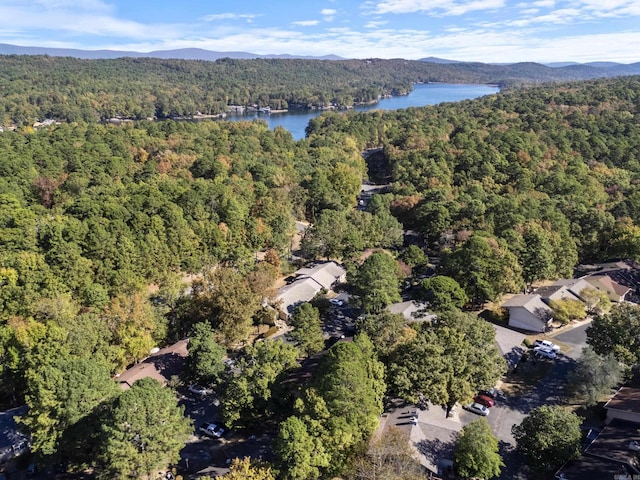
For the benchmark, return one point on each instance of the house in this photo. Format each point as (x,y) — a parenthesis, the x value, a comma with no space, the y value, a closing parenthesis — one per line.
(605,283)
(12,441)
(554,293)
(161,365)
(307,283)
(611,455)
(411,311)
(620,274)
(624,405)
(574,285)
(528,312)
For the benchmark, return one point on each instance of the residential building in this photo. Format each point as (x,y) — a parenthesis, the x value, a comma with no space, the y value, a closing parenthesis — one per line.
(529,313)
(162,365)
(624,405)
(307,283)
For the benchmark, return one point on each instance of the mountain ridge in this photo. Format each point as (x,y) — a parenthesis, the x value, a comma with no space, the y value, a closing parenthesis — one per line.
(178,54)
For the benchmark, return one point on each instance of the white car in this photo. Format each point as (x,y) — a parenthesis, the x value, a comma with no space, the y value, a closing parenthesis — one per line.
(477,409)
(336,301)
(546,344)
(211,430)
(544,352)
(200,390)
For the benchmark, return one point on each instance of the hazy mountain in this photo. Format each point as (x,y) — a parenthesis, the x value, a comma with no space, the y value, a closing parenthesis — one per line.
(180,54)
(604,64)
(560,64)
(438,60)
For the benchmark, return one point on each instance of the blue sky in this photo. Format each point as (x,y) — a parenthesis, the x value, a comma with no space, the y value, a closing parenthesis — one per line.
(468,30)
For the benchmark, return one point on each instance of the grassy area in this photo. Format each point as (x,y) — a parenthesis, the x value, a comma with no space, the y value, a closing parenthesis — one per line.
(527,374)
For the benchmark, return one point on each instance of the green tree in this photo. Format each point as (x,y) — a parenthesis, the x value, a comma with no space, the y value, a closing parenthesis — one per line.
(615,333)
(248,392)
(442,293)
(484,267)
(60,395)
(448,361)
(307,331)
(565,310)
(596,301)
(144,432)
(548,437)
(386,330)
(476,454)
(350,380)
(247,469)
(298,457)
(375,282)
(593,376)
(536,254)
(205,361)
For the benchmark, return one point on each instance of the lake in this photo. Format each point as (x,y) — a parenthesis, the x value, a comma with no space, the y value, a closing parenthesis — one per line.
(422,94)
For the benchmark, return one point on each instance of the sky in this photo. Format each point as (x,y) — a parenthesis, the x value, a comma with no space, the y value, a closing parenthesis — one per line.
(489,31)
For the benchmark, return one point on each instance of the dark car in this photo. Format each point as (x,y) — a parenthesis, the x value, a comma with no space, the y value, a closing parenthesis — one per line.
(484,400)
(492,393)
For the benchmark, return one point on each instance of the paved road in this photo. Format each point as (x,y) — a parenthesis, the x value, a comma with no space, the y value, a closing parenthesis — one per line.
(575,339)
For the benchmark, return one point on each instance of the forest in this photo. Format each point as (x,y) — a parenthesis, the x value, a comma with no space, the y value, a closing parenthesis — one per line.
(35,88)
(100,224)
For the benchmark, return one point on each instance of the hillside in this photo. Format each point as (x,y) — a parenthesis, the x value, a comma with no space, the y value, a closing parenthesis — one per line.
(70,89)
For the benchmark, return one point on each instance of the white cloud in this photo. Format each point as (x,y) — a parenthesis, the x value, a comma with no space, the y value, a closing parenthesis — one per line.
(446,7)
(328,11)
(543,3)
(229,16)
(86,5)
(376,23)
(306,23)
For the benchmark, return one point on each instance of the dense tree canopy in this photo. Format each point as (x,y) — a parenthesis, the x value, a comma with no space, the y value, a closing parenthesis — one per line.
(548,437)
(476,454)
(448,361)
(616,333)
(144,432)
(376,282)
(39,87)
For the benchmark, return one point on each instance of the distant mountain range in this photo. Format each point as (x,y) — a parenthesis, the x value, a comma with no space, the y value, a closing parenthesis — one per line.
(494,72)
(180,54)
(552,64)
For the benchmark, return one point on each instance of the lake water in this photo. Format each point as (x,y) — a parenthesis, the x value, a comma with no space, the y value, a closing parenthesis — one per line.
(423,94)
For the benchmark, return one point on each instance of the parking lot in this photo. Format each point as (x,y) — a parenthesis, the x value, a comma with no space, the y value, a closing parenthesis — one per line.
(434,434)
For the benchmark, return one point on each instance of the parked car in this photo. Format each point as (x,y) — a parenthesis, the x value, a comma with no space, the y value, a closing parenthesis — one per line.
(544,352)
(200,390)
(546,344)
(336,301)
(211,430)
(477,409)
(492,393)
(484,400)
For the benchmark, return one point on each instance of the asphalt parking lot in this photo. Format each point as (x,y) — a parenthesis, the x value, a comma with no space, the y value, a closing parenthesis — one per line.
(434,435)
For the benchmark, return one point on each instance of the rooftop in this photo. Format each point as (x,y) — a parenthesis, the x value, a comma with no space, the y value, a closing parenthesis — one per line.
(613,442)
(161,365)
(626,399)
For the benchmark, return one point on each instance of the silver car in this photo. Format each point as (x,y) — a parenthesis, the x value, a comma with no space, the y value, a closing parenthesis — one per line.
(477,409)
(544,352)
